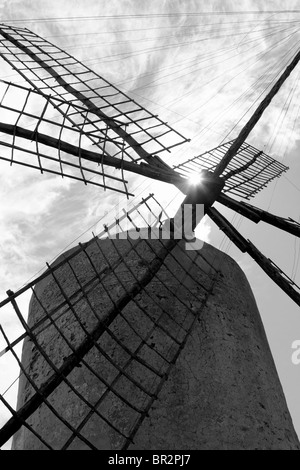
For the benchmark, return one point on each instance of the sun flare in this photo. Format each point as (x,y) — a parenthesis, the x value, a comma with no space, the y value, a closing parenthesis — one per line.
(195,179)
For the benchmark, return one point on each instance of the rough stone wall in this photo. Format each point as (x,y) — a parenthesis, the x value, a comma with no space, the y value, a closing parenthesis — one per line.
(222,393)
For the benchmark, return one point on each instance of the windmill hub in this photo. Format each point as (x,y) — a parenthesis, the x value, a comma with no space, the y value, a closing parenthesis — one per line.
(205,192)
(204,188)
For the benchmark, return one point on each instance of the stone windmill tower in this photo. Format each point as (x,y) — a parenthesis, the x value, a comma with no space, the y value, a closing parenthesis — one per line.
(142,338)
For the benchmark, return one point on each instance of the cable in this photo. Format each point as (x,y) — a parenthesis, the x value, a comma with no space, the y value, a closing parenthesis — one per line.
(149,85)
(160,38)
(151,16)
(181,26)
(258,56)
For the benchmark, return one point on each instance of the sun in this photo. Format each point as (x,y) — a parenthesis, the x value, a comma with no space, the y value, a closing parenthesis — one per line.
(195,179)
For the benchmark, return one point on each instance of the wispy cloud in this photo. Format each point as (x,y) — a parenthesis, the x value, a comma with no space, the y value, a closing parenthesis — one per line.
(178,67)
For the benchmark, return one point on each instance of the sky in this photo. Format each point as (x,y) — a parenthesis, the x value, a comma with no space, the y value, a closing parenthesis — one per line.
(202,66)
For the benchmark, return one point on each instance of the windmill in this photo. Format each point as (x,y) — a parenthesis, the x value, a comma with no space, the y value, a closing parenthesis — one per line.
(103,337)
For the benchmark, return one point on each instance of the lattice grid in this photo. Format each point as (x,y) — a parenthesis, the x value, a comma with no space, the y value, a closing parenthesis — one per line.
(115,294)
(35,135)
(248,172)
(54,72)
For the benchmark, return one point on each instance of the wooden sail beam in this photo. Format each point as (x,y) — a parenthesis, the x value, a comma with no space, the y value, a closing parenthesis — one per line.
(166,174)
(257,215)
(246,246)
(237,171)
(255,117)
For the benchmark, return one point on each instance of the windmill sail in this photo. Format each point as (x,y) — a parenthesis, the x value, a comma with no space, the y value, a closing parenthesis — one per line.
(114,123)
(129,281)
(249,171)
